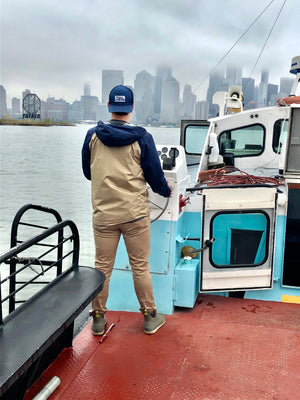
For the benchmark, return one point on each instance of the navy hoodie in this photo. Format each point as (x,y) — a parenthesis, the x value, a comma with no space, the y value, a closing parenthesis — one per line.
(116,134)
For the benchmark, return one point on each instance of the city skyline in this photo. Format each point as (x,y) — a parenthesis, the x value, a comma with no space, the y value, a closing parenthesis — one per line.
(158,98)
(54,48)
(99,92)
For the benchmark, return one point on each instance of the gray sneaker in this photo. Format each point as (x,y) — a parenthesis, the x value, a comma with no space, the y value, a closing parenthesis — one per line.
(153,321)
(98,323)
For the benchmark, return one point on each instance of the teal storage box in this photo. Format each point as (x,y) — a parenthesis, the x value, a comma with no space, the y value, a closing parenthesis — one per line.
(186,283)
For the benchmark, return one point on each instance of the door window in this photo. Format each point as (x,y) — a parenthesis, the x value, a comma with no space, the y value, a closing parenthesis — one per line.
(279,134)
(194,139)
(241,239)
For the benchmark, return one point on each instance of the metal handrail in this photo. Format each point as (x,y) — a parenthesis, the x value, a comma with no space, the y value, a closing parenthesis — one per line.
(19,215)
(11,255)
(34,240)
(14,242)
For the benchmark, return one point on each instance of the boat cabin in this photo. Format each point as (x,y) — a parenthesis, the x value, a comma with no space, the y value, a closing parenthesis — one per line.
(232,225)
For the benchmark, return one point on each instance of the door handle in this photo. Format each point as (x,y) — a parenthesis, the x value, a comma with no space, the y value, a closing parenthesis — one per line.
(207,245)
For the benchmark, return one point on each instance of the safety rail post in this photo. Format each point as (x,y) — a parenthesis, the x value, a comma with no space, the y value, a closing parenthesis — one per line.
(14,242)
(12,285)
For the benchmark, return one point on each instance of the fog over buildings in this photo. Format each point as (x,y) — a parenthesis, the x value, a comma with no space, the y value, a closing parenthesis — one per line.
(159,100)
(174,54)
(55,47)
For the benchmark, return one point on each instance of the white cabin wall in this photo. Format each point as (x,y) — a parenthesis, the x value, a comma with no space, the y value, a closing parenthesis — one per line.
(266,117)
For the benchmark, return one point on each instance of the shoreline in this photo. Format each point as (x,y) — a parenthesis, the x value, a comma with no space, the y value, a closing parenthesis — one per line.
(28,122)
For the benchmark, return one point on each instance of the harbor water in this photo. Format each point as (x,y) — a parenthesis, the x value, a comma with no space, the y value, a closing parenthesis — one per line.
(42,165)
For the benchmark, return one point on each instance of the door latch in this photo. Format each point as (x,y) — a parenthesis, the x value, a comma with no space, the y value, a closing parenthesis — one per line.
(207,245)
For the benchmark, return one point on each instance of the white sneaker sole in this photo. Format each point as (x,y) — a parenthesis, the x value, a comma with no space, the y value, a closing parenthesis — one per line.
(154,330)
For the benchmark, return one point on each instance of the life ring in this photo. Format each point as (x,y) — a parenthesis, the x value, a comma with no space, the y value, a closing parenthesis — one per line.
(286,101)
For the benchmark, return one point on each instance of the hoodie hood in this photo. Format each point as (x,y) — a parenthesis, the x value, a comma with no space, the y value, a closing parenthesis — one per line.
(118,135)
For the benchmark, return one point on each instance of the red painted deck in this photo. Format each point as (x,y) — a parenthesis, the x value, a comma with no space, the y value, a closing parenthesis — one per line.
(223,349)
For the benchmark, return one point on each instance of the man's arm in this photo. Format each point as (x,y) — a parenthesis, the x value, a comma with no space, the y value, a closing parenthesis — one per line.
(151,166)
(86,155)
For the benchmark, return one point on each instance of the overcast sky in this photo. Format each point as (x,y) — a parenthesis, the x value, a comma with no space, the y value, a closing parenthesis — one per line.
(53,47)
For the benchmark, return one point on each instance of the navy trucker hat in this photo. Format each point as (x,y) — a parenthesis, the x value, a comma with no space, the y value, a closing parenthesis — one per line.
(120,99)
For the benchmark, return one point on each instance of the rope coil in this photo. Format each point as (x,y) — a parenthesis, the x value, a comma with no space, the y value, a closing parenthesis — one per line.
(220,177)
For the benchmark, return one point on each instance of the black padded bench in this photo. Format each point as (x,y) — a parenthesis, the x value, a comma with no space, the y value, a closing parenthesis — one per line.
(33,335)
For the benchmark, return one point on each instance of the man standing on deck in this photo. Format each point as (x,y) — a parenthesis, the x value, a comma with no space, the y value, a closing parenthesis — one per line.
(119,158)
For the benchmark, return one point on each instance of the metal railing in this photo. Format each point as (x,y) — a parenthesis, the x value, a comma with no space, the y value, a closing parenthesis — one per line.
(48,249)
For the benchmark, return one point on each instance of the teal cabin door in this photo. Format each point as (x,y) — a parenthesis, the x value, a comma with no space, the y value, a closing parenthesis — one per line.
(240,224)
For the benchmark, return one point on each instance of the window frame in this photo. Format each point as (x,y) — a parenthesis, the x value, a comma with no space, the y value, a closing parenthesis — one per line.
(240,128)
(207,124)
(284,120)
(232,266)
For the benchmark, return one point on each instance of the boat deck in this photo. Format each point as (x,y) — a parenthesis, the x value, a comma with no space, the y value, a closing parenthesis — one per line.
(222,349)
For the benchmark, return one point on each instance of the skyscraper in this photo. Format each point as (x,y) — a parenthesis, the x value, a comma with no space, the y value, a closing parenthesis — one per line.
(264,76)
(163,72)
(15,105)
(3,104)
(86,89)
(286,85)
(25,92)
(75,111)
(248,91)
(143,96)
(170,101)
(262,95)
(272,94)
(263,89)
(201,110)
(189,101)
(215,85)
(89,105)
(233,75)
(110,79)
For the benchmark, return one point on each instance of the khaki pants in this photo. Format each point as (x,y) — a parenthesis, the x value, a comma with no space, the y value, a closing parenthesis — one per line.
(137,240)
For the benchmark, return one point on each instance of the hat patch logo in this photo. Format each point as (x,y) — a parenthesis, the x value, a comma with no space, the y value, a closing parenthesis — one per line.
(120,99)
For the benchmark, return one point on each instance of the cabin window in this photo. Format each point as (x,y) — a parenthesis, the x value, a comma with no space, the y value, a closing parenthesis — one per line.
(194,138)
(279,134)
(241,239)
(247,141)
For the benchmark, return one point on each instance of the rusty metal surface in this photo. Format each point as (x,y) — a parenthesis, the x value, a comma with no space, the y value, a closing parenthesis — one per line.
(222,349)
